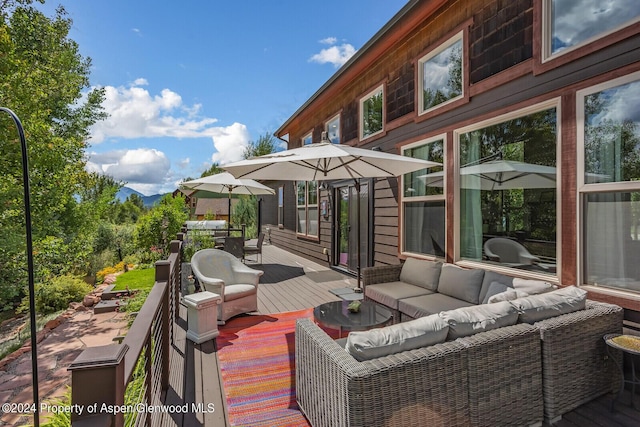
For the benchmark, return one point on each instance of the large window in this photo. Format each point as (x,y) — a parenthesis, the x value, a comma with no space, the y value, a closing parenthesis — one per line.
(333,130)
(423,203)
(609,183)
(507,179)
(573,23)
(440,75)
(372,113)
(307,197)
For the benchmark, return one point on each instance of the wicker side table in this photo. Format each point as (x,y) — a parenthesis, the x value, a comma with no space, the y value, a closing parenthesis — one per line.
(630,345)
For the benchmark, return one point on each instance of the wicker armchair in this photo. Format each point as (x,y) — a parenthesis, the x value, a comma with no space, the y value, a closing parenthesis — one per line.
(222,273)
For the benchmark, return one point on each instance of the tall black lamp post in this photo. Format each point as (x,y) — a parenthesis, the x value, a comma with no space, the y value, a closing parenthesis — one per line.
(32,302)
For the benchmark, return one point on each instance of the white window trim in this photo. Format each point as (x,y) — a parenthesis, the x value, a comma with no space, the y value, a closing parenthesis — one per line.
(552,103)
(582,187)
(326,127)
(360,112)
(428,56)
(439,197)
(546,34)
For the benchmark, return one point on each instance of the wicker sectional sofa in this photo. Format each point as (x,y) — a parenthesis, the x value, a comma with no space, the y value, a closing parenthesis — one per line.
(513,375)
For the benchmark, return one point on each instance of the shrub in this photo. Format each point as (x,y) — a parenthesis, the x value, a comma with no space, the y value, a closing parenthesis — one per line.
(56,294)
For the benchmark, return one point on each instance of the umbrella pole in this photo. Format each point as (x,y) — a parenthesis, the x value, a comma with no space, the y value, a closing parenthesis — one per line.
(229,215)
(358,288)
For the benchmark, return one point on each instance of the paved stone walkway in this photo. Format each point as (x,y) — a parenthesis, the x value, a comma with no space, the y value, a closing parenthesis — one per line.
(55,353)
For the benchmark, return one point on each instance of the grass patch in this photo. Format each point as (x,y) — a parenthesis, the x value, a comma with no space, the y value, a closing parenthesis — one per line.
(136,279)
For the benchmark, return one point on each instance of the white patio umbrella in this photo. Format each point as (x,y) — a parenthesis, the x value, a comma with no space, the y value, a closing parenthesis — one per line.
(326,161)
(499,175)
(226,183)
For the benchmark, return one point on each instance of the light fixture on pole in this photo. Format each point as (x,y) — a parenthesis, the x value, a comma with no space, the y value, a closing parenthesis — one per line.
(32,303)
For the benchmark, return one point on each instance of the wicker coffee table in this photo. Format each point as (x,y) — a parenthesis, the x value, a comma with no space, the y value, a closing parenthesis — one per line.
(335,315)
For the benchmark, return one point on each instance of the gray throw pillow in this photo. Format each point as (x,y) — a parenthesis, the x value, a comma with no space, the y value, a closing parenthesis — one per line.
(508,295)
(421,273)
(489,278)
(460,283)
(472,320)
(532,287)
(380,342)
(534,308)
(494,289)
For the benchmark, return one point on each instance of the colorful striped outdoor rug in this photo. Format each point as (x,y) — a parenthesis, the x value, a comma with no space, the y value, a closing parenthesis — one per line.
(257,360)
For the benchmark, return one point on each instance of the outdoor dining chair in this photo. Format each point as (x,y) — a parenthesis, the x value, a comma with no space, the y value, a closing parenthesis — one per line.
(255,249)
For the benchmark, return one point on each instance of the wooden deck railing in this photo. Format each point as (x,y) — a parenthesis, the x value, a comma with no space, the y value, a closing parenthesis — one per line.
(122,384)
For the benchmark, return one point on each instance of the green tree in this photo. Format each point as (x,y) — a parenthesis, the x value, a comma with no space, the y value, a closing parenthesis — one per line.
(44,80)
(266,144)
(213,170)
(155,229)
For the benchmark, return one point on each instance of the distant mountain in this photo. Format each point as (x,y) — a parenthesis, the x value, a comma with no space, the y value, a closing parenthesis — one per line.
(148,201)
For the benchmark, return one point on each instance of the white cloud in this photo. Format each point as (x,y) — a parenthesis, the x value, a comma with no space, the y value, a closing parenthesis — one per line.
(135,113)
(336,55)
(141,165)
(329,40)
(230,143)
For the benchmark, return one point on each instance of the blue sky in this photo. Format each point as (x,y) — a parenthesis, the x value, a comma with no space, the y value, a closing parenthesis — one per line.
(189,83)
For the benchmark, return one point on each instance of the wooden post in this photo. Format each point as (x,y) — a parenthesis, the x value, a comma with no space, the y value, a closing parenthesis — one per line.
(98,386)
(163,274)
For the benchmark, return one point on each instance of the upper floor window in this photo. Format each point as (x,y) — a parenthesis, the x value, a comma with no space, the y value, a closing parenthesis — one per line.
(333,130)
(372,113)
(569,24)
(307,139)
(440,75)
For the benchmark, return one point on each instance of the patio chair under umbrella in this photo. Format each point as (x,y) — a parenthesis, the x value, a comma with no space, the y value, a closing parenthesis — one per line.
(327,161)
(225,183)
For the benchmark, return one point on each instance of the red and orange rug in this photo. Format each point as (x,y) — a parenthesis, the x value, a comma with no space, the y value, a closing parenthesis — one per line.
(257,361)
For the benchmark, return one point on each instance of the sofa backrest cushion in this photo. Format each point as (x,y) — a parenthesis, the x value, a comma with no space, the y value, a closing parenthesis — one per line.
(421,273)
(495,288)
(464,284)
(471,320)
(534,308)
(380,342)
(508,295)
(532,287)
(489,278)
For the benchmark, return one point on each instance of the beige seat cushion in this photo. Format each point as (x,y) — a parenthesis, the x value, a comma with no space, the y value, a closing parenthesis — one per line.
(425,305)
(232,292)
(389,293)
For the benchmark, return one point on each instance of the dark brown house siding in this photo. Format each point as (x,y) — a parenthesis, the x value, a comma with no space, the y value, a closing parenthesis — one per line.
(503,76)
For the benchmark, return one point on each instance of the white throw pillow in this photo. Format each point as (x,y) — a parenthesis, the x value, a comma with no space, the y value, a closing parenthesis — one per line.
(479,318)
(380,342)
(508,295)
(532,287)
(534,308)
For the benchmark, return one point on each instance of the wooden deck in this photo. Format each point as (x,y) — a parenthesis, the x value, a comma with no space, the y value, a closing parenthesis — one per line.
(293,283)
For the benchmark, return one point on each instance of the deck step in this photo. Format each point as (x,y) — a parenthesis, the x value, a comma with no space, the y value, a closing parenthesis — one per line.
(108,306)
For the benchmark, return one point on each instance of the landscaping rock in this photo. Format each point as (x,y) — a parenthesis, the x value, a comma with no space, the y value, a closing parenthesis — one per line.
(88,301)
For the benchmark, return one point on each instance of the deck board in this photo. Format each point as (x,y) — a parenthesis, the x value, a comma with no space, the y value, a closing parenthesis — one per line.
(290,283)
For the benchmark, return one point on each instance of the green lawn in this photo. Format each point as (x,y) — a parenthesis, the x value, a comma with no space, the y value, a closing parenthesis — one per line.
(136,279)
